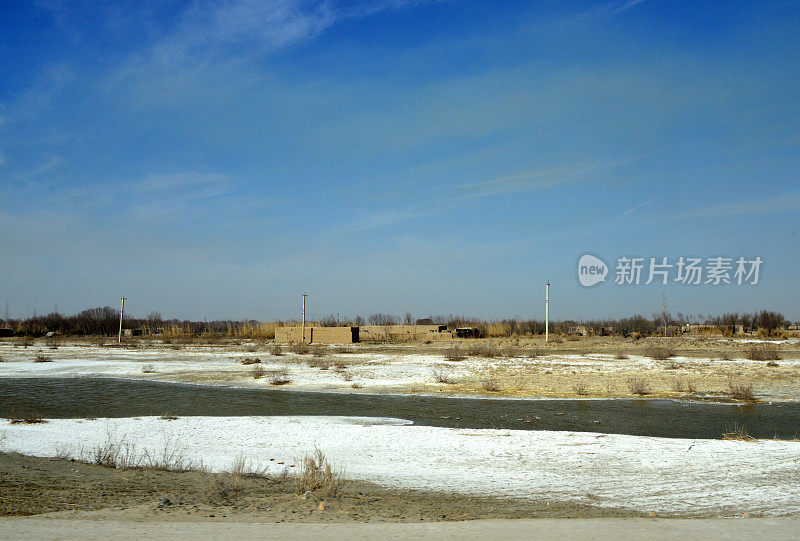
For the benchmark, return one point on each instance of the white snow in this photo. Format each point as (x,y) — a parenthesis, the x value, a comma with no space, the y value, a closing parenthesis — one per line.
(696,477)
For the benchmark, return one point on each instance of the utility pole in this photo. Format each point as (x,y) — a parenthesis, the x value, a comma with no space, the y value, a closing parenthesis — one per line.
(303,339)
(121,314)
(664,314)
(547,312)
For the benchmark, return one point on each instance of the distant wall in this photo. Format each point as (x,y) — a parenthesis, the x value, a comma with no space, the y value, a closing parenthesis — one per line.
(379,333)
(317,335)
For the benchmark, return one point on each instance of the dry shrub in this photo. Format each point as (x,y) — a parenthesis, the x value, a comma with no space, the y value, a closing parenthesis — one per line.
(226,489)
(741,391)
(319,362)
(483,350)
(556,340)
(621,357)
(738,434)
(454,354)
(248,360)
(491,385)
(443,376)
(148,369)
(276,350)
(658,353)
(42,359)
(580,388)
(279,377)
(258,371)
(318,476)
(763,352)
(772,364)
(300,348)
(23,416)
(340,365)
(316,350)
(639,386)
(678,384)
(342,350)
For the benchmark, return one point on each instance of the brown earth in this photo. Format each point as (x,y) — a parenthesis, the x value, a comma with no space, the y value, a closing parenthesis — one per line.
(67,489)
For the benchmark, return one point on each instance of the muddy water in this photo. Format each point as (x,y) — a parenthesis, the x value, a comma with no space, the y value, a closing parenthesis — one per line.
(101,397)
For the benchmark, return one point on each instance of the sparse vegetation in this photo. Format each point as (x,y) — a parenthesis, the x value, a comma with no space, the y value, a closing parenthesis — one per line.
(279,377)
(488,351)
(318,476)
(490,384)
(741,391)
(443,376)
(43,359)
(22,416)
(620,357)
(639,386)
(762,352)
(249,360)
(299,348)
(148,369)
(658,353)
(580,388)
(454,354)
(276,350)
(257,371)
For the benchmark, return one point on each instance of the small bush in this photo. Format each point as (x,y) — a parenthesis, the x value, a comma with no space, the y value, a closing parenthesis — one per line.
(442,376)
(279,377)
(248,360)
(226,489)
(319,362)
(639,386)
(258,371)
(621,357)
(317,475)
(276,350)
(454,354)
(772,364)
(42,359)
(738,434)
(678,385)
(148,369)
(299,348)
(658,353)
(22,416)
(483,350)
(763,352)
(317,351)
(580,388)
(741,391)
(491,385)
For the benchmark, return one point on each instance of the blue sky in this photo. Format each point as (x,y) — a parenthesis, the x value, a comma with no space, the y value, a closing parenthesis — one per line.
(217,159)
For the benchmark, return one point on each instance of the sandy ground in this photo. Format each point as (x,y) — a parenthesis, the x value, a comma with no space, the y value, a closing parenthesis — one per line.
(784,528)
(592,366)
(67,489)
(666,476)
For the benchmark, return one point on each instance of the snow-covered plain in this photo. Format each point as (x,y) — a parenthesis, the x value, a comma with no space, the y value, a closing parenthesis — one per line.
(372,371)
(666,476)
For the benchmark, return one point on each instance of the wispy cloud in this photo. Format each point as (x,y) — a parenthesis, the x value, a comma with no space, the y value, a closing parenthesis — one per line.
(540,179)
(789,202)
(640,205)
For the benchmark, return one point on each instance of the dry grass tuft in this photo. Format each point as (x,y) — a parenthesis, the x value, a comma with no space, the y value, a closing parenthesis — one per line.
(443,376)
(22,416)
(741,391)
(276,350)
(762,352)
(319,362)
(248,360)
(279,377)
(639,386)
(580,388)
(318,476)
(738,434)
(621,357)
(454,354)
(299,348)
(491,385)
(42,359)
(258,371)
(488,351)
(658,353)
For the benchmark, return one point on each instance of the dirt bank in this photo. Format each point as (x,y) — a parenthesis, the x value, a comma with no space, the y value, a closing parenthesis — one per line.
(31,485)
